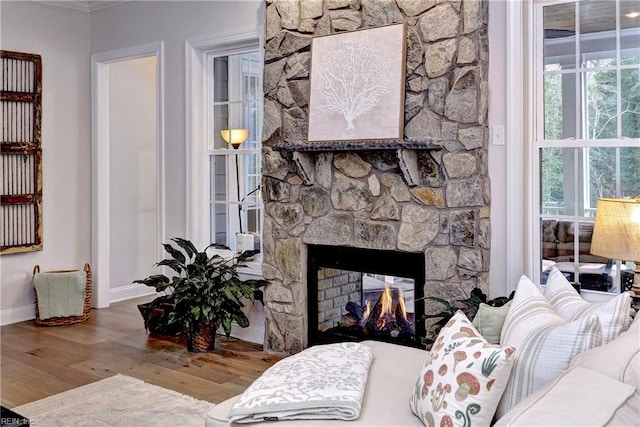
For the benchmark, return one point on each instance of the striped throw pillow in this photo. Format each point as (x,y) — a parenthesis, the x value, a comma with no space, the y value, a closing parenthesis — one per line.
(546,342)
(614,314)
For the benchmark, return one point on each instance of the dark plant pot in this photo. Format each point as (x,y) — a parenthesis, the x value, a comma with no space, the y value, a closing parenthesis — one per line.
(202,338)
(156,326)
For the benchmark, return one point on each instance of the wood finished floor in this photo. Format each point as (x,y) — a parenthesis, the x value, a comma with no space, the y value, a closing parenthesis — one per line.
(40,361)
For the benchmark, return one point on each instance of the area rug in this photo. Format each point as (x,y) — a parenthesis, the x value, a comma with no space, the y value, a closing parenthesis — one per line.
(116,401)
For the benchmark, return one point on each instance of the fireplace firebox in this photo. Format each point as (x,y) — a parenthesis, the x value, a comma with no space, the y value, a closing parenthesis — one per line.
(365,294)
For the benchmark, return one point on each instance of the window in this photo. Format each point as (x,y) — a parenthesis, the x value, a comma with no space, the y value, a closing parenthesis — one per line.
(586,137)
(234,102)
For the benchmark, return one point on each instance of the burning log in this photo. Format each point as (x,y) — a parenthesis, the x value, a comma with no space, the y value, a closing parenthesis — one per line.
(348,321)
(356,310)
(386,318)
(388,315)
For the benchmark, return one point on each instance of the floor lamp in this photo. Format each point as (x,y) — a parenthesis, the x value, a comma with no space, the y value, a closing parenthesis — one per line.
(235,137)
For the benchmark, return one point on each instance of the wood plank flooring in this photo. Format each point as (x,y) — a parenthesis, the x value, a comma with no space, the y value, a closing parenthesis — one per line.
(39,361)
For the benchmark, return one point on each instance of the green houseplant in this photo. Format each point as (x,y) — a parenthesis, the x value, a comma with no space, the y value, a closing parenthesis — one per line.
(204,293)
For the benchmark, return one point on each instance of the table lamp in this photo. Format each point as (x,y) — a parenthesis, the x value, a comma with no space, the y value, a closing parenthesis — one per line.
(616,233)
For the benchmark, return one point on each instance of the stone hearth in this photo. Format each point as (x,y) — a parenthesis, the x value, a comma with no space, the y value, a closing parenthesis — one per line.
(434,201)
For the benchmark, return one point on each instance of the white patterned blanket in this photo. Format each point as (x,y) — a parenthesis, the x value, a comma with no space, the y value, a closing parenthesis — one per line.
(322,382)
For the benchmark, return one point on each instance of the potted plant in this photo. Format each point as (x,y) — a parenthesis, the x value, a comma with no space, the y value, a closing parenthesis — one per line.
(155,315)
(204,293)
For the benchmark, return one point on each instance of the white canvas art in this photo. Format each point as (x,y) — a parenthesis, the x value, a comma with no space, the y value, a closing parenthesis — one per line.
(357,85)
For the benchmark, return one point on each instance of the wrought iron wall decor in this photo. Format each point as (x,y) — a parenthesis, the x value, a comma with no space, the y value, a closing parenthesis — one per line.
(21,153)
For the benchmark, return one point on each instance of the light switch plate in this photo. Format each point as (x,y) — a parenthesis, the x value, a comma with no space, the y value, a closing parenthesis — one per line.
(497,134)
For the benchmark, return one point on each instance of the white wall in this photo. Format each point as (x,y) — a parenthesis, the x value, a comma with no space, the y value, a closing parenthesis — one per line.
(172,22)
(66,38)
(132,150)
(61,36)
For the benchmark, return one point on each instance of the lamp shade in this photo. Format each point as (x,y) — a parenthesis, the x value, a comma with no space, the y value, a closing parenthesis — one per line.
(616,233)
(235,137)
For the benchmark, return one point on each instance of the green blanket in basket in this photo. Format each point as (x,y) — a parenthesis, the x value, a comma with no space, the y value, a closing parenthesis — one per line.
(60,294)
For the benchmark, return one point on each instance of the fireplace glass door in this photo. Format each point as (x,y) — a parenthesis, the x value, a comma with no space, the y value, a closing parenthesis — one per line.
(365,294)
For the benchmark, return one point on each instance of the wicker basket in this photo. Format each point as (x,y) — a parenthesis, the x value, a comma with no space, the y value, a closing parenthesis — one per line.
(202,339)
(86,309)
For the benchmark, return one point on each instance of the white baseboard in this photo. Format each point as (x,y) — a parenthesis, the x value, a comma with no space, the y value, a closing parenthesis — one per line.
(28,312)
(254,334)
(17,314)
(130,291)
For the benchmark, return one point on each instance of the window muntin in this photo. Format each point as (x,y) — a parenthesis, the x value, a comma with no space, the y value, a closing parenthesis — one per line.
(235,204)
(589,97)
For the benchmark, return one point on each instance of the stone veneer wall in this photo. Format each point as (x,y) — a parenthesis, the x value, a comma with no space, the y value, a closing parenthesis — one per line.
(431,201)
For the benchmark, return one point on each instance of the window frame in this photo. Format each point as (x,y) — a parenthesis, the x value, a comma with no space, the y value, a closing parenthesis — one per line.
(197,133)
(234,100)
(536,137)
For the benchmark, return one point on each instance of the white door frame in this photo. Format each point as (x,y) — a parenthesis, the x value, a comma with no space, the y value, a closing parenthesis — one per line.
(100,163)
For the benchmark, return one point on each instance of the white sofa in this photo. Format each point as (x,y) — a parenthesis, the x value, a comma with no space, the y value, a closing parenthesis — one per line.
(392,376)
(585,394)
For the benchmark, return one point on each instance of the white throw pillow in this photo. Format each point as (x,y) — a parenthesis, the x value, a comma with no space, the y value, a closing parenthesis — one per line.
(463,377)
(546,342)
(614,314)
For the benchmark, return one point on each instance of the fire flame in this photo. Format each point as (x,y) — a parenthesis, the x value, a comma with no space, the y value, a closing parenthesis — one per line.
(367,309)
(387,311)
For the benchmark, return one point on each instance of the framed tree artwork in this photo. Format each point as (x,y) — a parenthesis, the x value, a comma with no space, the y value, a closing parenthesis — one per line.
(357,85)
(21,153)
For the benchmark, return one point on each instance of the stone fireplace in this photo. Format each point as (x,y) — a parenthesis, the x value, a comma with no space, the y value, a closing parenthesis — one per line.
(429,197)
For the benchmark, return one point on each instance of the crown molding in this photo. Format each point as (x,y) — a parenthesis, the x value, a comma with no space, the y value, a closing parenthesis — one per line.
(83,5)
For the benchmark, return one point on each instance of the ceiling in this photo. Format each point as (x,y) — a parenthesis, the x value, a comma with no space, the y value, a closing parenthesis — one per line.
(595,16)
(84,5)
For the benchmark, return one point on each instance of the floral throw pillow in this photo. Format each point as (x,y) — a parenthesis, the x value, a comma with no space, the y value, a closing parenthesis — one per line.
(462,379)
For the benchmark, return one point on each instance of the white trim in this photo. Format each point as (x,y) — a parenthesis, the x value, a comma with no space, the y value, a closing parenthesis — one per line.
(122,293)
(17,314)
(251,333)
(515,219)
(28,312)
(535,24)
(85,6)
(100,191)
(99,184)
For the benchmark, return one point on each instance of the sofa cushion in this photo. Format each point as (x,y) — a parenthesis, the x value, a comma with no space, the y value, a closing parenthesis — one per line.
(546,342)
(489,321)
(619,359)
(549,238)
(463,377)
(614,314)
(392,376)
(578,397)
